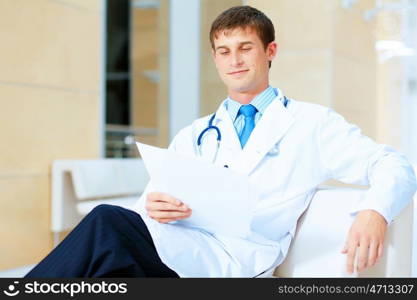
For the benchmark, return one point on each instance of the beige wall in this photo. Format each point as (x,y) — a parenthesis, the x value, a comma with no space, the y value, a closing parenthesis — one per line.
(354,66)
(150,52)
(303,31)
(163,67)
(390,78)
(49,98)
(326,56)
(212,90)
(144,58)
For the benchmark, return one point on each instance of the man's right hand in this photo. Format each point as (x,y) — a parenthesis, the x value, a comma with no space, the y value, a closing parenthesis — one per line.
(165,208)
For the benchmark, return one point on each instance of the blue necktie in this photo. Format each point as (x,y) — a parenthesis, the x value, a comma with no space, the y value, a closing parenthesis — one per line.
(249,112)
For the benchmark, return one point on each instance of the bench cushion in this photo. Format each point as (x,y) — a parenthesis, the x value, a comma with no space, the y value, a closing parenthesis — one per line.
(85,207)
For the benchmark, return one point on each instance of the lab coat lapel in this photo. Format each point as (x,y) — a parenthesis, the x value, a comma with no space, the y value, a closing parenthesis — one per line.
(230,144)
(268,131)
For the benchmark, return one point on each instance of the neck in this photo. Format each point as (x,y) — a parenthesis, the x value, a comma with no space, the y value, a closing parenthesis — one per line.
(245,97)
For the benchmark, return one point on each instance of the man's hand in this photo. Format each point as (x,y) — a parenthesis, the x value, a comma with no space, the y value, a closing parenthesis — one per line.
(165,208)
(367,236)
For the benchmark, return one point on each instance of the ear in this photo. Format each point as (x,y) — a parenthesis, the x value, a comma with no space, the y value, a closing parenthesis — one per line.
(272,50)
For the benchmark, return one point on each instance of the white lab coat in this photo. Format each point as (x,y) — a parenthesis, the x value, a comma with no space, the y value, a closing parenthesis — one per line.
(315,144)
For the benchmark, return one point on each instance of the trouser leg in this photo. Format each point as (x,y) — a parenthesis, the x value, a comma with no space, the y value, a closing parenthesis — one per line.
(109,242)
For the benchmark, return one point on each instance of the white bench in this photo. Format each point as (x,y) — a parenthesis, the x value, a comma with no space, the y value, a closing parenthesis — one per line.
(80,185)
(322,231)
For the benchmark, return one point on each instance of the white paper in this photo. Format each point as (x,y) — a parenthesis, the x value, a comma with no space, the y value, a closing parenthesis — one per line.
(221,200)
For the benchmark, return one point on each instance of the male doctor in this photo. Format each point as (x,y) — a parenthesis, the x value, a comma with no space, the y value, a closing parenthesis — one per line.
(312,144)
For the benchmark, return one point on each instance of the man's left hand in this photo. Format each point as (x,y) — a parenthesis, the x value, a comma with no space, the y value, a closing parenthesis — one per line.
(366,235)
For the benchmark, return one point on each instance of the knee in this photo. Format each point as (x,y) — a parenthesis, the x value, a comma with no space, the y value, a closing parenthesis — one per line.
(111,214)
(104,210)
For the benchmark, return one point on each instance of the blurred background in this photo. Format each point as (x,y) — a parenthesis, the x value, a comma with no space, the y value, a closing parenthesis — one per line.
(84,79)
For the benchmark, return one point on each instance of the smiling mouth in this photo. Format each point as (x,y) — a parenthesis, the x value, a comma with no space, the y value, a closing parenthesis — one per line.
(237,72)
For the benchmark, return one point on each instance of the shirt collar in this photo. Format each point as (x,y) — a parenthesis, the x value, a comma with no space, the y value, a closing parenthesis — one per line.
(261,102)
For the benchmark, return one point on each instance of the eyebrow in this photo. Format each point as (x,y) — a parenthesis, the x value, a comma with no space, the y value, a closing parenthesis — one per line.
(240,44)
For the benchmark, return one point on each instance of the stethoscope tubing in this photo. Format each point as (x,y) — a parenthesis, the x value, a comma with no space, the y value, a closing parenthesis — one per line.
(219,134)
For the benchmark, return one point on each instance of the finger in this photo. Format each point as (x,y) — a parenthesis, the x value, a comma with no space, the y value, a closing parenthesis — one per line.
(157,196)
(350,257)
(345,249)
(164,220)
(184,206)
(380,252)
(373,253)
(158,205)
(363,254)
(167,220)
(168,214)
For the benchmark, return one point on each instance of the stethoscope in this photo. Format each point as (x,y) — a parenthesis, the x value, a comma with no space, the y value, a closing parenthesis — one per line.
(273,152)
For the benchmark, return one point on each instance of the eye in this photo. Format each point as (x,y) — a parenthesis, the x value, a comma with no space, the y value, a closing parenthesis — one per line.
(224,52)
(246,48)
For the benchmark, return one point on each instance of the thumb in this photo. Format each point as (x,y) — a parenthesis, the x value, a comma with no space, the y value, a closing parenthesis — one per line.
(345,249)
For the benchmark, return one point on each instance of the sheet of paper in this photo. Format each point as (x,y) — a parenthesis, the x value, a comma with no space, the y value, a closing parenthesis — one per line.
(222,201)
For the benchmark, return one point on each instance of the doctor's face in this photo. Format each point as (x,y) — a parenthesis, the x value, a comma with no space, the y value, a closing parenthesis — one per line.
(242,61)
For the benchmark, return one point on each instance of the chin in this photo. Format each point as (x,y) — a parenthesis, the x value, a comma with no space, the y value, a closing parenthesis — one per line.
(240,88)
(237,86)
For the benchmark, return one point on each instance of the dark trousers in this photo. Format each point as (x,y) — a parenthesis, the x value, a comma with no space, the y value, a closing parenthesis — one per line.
(109,242)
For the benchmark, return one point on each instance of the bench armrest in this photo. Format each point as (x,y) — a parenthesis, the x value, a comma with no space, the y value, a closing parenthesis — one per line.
(322,231)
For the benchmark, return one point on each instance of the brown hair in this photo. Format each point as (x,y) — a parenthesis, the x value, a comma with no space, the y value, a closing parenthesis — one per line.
(243,17)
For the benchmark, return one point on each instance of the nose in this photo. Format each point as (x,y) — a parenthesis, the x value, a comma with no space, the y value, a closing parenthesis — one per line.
(236,59)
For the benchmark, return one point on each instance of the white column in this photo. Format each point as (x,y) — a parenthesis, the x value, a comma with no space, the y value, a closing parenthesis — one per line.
(184,73)
(102,103)
(409,109)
